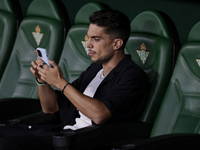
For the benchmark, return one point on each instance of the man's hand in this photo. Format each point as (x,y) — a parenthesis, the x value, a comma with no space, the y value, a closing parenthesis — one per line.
(52,75)
(36,64)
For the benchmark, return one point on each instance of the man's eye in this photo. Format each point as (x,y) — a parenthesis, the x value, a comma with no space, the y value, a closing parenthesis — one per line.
(96,40)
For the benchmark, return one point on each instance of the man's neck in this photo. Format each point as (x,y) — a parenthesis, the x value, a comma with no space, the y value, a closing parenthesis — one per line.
(107,67)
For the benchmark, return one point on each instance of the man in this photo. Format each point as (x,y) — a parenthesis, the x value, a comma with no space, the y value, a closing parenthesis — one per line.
(112,89)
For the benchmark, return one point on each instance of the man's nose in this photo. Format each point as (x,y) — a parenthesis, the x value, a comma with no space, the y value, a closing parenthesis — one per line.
(88,44)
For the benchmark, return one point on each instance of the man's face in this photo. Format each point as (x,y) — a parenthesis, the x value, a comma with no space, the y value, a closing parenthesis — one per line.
(99,44)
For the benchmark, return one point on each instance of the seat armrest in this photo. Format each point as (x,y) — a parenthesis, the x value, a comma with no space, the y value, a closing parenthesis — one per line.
(182,141)
(11,108)
(92,137)
(40,118)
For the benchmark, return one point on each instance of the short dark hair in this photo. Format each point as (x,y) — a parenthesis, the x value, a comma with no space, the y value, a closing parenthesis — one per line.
(117,24)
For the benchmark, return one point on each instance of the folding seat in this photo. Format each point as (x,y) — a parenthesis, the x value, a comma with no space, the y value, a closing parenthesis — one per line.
(153,34)
(153,45)
(10,18)
(45,26)
(177,123)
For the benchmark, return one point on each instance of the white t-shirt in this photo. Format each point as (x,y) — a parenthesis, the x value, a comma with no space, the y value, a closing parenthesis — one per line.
(84,121)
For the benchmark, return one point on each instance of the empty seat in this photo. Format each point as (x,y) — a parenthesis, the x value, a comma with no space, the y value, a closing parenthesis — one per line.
(153,44)
(180,110)
(10,18)
(43,27)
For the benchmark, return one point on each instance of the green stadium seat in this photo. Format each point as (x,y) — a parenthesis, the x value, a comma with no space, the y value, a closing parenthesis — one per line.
(43,27)
(153,45)
(180,110)
(177,123)
(10,18)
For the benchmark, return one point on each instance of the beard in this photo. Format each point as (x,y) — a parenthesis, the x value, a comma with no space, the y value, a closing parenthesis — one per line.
(103,59)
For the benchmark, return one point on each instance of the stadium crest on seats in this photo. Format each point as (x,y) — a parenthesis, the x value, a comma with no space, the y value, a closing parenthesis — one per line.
(142,53)
(198,62)
(37,35)
(84,44)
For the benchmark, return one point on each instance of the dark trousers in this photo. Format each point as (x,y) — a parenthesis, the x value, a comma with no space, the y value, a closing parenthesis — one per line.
(24,137)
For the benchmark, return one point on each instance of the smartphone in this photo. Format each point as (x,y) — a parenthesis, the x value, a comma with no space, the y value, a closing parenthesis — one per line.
(42,53)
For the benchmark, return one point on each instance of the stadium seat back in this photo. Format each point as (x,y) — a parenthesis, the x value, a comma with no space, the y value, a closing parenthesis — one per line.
(10,17)
(180,110)
(75,58)
(43,27)
(152,47)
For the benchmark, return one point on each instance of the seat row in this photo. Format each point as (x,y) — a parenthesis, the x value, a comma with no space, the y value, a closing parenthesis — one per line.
(153,45)
(48,27)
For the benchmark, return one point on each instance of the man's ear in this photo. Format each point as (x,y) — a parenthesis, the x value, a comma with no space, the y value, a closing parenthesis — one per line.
(117,44)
